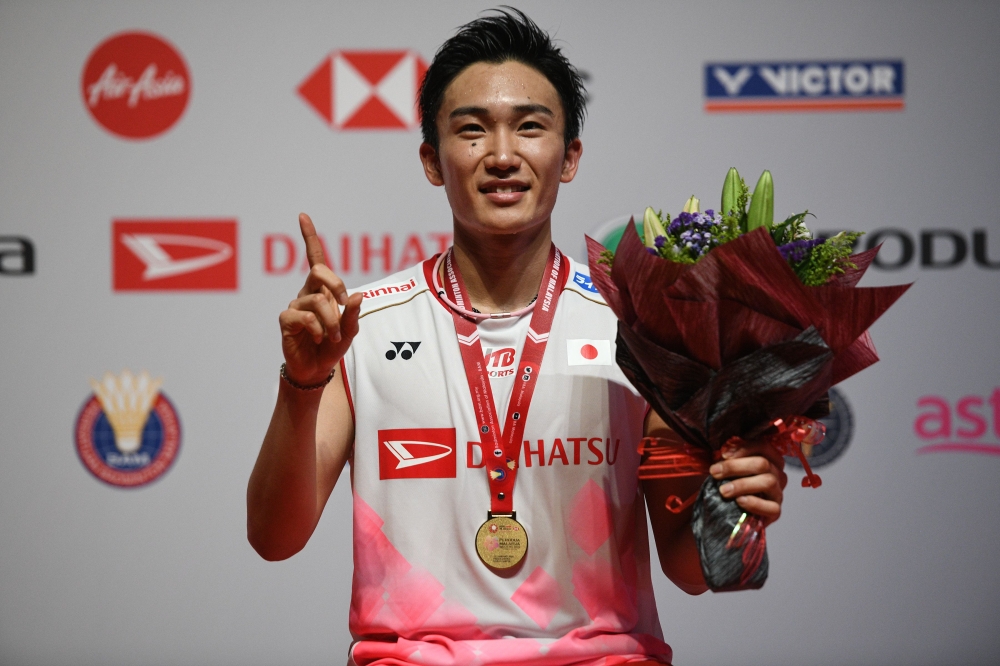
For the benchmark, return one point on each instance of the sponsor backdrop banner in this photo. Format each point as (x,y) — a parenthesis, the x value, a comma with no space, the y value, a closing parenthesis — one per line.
(155,156)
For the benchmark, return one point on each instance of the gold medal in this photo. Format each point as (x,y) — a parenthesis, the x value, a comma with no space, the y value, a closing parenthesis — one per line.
(501,542)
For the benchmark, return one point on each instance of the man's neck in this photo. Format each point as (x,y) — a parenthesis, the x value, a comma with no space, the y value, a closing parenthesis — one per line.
(502,272)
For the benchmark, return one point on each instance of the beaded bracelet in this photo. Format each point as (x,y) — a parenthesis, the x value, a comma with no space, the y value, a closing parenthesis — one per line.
(313,387)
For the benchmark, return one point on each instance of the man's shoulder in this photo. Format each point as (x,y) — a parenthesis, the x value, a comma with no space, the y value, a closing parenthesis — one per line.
(395,289)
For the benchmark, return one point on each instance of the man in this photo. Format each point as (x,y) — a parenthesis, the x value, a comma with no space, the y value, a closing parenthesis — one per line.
(483,532)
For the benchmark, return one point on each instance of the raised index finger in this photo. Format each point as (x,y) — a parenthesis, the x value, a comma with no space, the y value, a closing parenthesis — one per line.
(314,249)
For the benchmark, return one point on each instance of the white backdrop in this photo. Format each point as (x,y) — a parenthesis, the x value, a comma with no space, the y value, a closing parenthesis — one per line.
(892,561)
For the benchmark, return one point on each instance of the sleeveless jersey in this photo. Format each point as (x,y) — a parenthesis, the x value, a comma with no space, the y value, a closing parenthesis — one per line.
(420,594)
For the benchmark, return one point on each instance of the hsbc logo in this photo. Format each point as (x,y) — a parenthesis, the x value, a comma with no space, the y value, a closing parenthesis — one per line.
(416,453)
(169,255)
(366,89)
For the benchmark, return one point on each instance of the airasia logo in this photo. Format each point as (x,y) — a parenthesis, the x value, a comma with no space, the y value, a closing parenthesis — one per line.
(366,89)
(135,85)
(416,453)
(960,427)
(174,255)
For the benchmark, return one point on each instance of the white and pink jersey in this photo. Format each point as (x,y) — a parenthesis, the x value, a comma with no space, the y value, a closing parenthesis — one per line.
(421,594)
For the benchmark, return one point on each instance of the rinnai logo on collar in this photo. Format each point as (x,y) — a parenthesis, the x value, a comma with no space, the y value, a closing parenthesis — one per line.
(366,89)
(416,453)
(387,289)
(588,352)
(845,85)
(135,85)
(174,255)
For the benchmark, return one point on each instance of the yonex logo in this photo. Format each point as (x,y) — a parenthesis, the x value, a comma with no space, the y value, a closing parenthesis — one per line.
(405,350)
(805,86)
(416,453)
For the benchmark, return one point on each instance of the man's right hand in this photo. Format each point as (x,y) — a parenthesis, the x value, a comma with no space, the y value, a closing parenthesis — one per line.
(315,335)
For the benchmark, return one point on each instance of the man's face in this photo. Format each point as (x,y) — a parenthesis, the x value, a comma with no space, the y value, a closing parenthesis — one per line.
(501,154)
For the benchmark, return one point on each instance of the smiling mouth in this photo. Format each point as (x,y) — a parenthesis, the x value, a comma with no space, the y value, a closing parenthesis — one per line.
(504,189)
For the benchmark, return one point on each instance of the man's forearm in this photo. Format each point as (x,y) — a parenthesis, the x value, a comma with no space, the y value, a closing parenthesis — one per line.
(282,496)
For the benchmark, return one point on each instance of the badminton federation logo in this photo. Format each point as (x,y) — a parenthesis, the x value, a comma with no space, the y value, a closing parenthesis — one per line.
(365,90)
(127,432)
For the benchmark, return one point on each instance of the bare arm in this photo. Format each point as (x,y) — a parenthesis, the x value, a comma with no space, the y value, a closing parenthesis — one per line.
(311,432)
(758,480)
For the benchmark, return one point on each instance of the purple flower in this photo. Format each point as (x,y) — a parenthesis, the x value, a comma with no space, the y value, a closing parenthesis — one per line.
(798,250)
(660,241)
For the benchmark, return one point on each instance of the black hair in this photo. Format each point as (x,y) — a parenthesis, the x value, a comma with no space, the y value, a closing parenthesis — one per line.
(506,35)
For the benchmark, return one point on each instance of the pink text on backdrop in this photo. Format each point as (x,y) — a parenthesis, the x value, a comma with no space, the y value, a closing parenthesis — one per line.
(960,428)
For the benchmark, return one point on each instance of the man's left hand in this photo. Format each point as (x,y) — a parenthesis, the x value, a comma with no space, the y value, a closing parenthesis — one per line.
(755,474)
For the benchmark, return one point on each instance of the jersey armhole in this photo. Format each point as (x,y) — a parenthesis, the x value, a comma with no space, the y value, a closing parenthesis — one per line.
(347,390)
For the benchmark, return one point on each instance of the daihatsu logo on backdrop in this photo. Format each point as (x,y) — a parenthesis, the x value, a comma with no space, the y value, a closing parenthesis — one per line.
(366,89)
(843,85)
(174,255)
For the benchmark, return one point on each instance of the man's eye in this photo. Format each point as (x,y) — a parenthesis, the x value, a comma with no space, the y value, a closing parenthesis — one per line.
(531,125)
(471,128)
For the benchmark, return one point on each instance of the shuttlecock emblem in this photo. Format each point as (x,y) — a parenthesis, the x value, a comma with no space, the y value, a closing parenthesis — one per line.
(127,400)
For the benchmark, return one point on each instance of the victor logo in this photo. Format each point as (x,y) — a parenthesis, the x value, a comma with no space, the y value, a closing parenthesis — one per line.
(404,350)
(416,453)
(804,86)
(136,85)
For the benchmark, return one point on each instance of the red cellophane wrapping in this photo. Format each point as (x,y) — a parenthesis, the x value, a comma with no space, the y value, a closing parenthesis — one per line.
(726,347)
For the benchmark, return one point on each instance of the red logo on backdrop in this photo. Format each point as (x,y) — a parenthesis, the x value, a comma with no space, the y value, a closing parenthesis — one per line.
(416,453)
(351,254)
(959,427)
(366,89)
(174,255)
(136,85)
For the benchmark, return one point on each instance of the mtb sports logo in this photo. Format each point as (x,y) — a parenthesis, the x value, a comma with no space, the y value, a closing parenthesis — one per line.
(135,85)
(127,432)
(174,255)
(848,85)
(354,90)
(416,453)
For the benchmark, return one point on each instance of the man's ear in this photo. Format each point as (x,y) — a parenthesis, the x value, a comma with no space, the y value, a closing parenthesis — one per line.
(571,161)
(432,165)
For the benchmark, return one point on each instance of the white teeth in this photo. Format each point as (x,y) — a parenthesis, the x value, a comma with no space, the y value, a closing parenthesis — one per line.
(504,190)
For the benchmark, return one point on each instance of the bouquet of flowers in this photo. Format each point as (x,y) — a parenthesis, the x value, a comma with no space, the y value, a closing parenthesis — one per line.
(732,326)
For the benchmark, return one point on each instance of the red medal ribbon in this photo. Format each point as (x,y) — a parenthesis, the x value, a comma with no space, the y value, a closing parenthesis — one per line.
(502,448)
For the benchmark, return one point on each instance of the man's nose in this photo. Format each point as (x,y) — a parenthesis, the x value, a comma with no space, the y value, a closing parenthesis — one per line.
(503,151)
